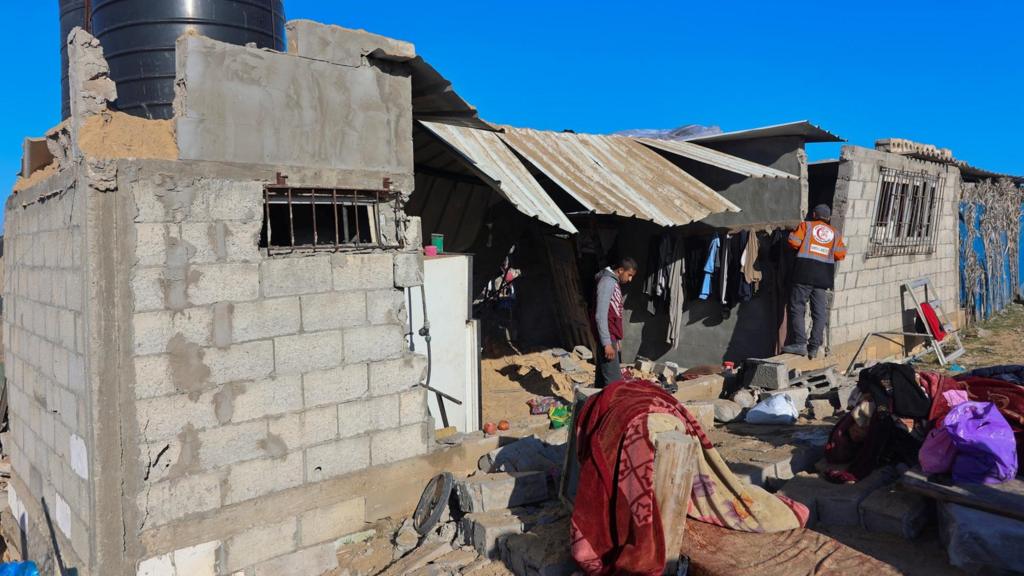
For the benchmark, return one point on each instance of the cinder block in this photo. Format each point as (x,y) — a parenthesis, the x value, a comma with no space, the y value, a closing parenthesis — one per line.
(363,271)
(839,504)
(307,428)
(265,319)
(163,502)
(409,269)
(979,542)
(337,458)
(315,560)
(703,411)
(891,511)
(413,406)
(374,343)
(226,445)
(804,489)
(333,310)
(199,560)
(399,443)
(387,307)
(289,276)
(261,543)
(308,352)
(227,282)
(703,388)
(484,531)
(332,522)
(165,417)
(336,385)
(821,409)
(491,492)
(767,374)
(397,375)
(153,331)
(364,416)
(271,397)
(240,362)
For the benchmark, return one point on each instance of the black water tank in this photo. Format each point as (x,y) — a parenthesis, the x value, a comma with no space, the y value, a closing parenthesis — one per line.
(72,13)
(138,38)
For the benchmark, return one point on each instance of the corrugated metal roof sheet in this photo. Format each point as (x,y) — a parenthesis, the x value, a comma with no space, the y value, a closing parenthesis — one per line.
(434,97)
(803,128)
(617,175)
(721,160)
(496,164)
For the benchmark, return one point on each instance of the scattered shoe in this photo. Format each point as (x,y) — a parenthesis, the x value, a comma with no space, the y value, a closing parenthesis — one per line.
(794,349)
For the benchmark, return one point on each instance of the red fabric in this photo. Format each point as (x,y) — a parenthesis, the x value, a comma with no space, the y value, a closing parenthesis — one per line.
(932,319)
(619,529)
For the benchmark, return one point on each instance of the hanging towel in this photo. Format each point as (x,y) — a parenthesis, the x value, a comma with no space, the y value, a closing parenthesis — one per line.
(709,267)
(723,265)
(749,260)
(677,292)
(934,325)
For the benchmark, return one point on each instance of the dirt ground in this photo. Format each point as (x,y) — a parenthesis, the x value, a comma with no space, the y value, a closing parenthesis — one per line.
(509,382)
(1000,340)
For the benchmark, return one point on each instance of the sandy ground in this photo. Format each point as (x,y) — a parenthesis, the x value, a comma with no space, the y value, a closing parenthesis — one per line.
(509,382)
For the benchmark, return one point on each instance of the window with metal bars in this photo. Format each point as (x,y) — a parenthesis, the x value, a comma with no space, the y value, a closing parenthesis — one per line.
(320,219)
(906,213)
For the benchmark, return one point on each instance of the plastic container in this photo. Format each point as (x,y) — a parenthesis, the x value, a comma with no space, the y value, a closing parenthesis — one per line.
(437,240)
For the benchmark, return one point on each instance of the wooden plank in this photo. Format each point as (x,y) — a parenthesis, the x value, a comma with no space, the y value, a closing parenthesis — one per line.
(1006,499)
(571,306)
(675,464)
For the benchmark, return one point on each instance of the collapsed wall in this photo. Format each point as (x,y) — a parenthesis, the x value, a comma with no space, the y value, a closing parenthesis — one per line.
(189,395)
(882,256)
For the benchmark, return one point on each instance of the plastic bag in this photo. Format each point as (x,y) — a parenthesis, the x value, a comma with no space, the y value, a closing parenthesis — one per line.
(777,409)
(985,449)
(19,569)
(937,452)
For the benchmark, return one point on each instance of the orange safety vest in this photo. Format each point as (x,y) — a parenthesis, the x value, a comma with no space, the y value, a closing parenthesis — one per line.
(817,240)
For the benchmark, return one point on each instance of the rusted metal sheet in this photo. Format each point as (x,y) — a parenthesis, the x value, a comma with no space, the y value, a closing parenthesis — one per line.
(715,158)
(496,164)
(804,129)
(618,175)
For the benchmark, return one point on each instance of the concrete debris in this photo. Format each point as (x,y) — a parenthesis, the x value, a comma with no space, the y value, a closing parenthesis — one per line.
(745,398)
(543,551)
(569,364)
(836,504)
(979,542)
(645,365)
(418,558)
(727,410)
(483,530)
(766,374)
(891,511)
(820,409)
(703,411)
(583,353)
(528,454)
(490,492)
(701,388)
(406,538)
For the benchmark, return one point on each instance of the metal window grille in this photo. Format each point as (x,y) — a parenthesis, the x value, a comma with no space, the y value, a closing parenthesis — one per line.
(320,219)
(906,213)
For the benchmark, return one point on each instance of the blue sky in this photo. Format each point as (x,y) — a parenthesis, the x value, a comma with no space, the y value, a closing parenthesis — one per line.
(941,72)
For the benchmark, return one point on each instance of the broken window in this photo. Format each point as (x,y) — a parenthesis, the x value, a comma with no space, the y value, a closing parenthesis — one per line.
(323,219)
(906,217)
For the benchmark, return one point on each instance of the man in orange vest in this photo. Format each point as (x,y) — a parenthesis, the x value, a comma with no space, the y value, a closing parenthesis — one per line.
(819,246)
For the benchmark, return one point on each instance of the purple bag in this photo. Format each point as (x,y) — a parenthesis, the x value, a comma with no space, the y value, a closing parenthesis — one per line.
(986,452)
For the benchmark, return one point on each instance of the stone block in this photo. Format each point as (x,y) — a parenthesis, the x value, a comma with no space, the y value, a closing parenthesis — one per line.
(255,478)
(408,269)
(374,343)
(164,417)
(308,352)
(364,416)
(820,408)
(703,388)
(980,542)
(265,319)
(320,559)
(399,443)
(153,331)
(891,511)
(199,560)
(363,271)
(240,362)
(397,375)
(703,411)
(804,488)
(164,502)
(485,530)
(334,386)
(766,374)
(328,523)
(255,400)
(337,458)
(234,282)
(294,275)
(491,492)
(333,310)
(307,428)
(226,445)
(839,504)
(387,307)
(413,406)
(727,410)
(260,543)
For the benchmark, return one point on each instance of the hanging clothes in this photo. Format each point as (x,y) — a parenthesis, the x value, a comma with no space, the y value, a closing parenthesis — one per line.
(709,267)
(723,266)
(751,251)
(677,291)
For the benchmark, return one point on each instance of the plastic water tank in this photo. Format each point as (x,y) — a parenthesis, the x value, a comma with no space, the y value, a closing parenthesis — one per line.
(72,13)
(138,38)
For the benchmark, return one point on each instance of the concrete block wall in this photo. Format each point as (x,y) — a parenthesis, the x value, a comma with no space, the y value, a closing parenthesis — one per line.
(867,290)
(44,328)
(256,374)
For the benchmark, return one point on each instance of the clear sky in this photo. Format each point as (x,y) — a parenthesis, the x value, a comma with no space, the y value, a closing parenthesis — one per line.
(949,73)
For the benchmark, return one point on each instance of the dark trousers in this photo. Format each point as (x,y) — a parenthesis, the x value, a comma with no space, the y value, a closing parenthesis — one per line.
(608,371)
(798,298)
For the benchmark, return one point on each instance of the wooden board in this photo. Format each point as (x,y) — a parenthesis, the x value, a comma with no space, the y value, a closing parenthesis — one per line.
(570,302)
(1006,499)
(675,464)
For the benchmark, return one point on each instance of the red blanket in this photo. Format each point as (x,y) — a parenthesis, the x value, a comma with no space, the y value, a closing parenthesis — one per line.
(616,527)
(934,325)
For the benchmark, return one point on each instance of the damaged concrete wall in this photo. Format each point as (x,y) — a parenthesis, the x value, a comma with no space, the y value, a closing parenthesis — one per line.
(50,440)
(867,291)
(239,104)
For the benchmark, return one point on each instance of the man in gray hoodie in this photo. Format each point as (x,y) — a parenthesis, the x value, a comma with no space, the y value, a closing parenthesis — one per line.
(607,320)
